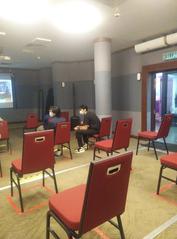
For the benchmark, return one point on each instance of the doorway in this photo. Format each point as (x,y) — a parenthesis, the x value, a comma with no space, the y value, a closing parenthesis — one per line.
(164,100)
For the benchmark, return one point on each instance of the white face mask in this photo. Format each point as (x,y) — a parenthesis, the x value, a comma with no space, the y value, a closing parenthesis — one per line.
(51,114)
(82,112)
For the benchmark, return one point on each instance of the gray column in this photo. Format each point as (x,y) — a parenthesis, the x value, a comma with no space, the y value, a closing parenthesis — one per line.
(102,63)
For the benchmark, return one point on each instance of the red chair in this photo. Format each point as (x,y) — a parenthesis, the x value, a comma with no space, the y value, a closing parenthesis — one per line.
(152,136)
(84,207)
(65,115)
(120,139)
(32,122)
(37,156)
(170,162)
(62,136)
(4,133)
(105,128)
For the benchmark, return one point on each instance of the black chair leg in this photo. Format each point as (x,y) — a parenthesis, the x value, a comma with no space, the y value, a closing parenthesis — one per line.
(55,181)
(61,149)
(94,152)
(154,149)
(0,169)
(70,150)
(160,177)
(165,145)
(20,193)
(120,227)
(48,225)
(149,144)
(137,145)
(11,182)
(43,178)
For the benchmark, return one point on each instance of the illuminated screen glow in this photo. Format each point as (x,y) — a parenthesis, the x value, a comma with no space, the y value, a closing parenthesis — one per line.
(6,93)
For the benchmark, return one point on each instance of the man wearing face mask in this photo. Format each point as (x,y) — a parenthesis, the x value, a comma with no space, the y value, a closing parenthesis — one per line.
(51,120)
(89,127)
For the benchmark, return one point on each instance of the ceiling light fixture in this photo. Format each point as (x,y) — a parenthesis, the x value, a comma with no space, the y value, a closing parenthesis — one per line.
(43,39)
(23,11)
(116,12)
(6,58)
(2,33)
(76,16)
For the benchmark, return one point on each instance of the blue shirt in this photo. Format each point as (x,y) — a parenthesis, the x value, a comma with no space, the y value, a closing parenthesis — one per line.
(51,122)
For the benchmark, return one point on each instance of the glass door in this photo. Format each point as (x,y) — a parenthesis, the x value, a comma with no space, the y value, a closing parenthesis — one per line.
(164,100)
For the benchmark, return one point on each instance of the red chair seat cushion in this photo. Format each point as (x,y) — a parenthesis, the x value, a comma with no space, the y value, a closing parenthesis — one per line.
(17,166)
(67,205)
(147,134)
(169,160)
(105,145)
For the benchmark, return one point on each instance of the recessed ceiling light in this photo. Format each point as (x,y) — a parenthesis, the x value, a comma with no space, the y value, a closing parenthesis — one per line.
(116,12)
(2,33)
(38,57)
(43,39)
(76,16)
(6,58)
(23,11)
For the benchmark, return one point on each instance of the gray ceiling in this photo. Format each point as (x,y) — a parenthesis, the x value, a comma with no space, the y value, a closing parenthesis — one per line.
(139,20)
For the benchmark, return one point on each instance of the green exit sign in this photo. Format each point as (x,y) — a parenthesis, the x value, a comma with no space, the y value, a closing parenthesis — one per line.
(170,56)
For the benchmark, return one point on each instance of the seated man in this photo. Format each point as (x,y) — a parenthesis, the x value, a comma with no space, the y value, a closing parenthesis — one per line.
(51,120)
(89,127)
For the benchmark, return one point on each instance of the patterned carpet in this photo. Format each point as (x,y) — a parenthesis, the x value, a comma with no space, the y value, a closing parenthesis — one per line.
(144,210)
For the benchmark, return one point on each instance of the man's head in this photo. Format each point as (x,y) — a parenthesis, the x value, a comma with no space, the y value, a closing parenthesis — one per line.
(54,111)
(83,109)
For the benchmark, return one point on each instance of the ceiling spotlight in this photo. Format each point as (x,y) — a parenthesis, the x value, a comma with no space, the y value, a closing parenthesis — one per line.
(2,33)
(6,58)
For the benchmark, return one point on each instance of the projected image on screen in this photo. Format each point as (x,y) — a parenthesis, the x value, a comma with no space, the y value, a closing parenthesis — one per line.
(6,94)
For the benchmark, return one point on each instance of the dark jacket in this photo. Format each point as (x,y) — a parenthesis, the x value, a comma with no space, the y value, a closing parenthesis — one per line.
(92,120)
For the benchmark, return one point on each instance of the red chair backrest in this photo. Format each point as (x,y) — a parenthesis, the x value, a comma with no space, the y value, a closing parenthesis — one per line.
(105,127)
(106,190)
(65,115)
(122,133)
(38,151)
(4,130)
(165,126)
(32,121)
(62,134)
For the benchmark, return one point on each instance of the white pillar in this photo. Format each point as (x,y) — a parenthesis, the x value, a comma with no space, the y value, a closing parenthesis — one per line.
(102,62)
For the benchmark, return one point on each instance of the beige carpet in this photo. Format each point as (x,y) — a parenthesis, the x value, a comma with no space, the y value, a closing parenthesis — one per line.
(144,211)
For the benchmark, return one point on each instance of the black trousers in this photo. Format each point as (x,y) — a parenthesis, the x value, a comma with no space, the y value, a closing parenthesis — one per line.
(83,135)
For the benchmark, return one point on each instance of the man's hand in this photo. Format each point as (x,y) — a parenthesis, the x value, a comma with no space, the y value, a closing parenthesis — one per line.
(76,128)
(81,127)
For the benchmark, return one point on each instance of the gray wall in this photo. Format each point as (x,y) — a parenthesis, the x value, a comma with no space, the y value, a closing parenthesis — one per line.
(126,90)
(27,83)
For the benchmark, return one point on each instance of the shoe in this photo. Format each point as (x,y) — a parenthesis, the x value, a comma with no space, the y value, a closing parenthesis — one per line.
(58,153)
(80,150)
(85,146)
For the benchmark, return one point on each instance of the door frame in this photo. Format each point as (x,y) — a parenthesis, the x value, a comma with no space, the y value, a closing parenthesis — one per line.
(146,71)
